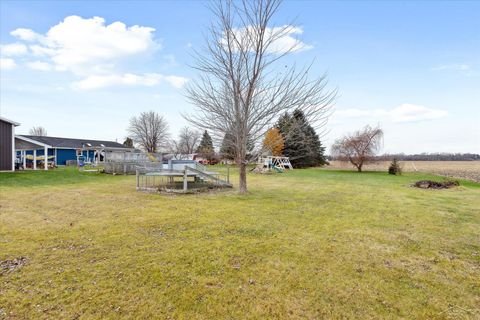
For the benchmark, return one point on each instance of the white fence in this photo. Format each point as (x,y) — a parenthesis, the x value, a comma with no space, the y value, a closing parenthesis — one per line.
(121,162)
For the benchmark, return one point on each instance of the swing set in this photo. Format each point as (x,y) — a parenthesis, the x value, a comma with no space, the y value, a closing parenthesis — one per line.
(272,163)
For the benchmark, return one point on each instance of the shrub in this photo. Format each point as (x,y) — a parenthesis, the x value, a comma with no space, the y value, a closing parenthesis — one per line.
(394,168)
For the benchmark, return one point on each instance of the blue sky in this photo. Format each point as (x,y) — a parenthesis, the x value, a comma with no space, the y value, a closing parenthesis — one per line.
(412,67)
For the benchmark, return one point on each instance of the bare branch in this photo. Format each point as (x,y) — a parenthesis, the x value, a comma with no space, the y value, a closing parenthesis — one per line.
(149,130)
(187,142)
(243,87)
(38,131)
(359,147)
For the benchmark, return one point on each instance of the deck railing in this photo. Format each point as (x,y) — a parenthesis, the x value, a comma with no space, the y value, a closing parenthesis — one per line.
(155,178)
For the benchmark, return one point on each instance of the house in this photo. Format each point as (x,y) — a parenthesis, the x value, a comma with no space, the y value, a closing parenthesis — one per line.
(31,149)
(7,144)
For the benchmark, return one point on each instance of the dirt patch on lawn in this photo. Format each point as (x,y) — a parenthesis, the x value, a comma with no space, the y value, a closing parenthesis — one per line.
(429,184)
(7,266)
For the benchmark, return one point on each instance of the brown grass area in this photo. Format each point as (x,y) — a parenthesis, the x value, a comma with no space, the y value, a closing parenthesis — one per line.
(304,244)
(469,170)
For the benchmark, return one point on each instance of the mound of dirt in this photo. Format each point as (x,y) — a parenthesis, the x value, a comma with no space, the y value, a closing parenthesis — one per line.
(429,184)
(10,265)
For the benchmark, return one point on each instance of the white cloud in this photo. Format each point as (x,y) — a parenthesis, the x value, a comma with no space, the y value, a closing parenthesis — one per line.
(39,65)
(454,67)
(13,49)
(176,81)
(403,113)
(25,34)
(287,42)
(40,51)
(95,52)
(84,45)
(462,68)
(7,64)
(411,112)
(128,79)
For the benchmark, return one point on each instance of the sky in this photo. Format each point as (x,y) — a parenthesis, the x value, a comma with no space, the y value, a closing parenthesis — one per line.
(82,69)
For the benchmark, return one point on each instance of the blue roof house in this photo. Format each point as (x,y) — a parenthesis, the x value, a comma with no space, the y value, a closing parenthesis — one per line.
(30,149)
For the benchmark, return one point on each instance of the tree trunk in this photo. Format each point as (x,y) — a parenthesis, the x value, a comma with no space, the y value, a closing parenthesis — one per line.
(242,182)
(359,167)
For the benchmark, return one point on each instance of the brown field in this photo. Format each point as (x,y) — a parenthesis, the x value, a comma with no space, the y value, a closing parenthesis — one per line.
(469,170)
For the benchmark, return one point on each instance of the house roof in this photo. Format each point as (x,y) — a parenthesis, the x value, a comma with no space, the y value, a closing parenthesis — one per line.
(57,142)
(9,121)
(24,142)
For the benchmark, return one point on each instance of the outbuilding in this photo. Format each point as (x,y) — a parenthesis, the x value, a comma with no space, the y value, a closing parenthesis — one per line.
(7,144)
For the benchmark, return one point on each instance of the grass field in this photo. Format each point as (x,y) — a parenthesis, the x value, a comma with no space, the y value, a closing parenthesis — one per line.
(306,244)
(456,169)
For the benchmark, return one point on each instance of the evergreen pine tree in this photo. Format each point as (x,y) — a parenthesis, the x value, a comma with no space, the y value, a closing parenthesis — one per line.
(283,124)
(395,168)
(316,152)
(206,144)
(302,144)
(228,147)
(205,148)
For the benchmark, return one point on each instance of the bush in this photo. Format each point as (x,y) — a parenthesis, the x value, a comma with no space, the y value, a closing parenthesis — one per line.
(394,168)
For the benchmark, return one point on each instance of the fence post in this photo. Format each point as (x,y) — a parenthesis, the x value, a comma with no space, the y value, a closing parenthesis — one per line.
(185,180)
(228,173)
(138,179)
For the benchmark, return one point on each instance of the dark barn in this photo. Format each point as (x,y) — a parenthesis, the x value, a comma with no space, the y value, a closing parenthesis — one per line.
(7,144)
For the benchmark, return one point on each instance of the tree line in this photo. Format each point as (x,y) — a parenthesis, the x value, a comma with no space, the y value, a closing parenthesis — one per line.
(244,84)
(443,156)
(292,136)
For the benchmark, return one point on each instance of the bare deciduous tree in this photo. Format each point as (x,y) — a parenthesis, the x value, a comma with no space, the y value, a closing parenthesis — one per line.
(359,147)
(149,130)
(244,87)
(187,142)
(38,131)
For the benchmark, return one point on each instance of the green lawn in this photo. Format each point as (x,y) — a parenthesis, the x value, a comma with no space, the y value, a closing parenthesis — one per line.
(306,244)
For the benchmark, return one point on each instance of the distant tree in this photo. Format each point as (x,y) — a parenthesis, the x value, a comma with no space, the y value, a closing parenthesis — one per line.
(359,147)
(431,157)
(187,142)
(38,131)
(227,149)
(128,142)
(149,130)
(302,143)
(273,142)
(205,147)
